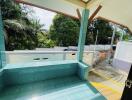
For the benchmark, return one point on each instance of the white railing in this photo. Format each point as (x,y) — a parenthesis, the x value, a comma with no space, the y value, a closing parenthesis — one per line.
(31,56)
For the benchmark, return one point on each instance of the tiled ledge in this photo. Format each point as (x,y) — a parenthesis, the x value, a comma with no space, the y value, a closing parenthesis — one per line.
(13,74)
(38,64)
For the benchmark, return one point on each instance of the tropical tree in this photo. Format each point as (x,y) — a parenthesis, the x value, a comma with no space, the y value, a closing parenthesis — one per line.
(44,40)
(104,30)
(20,30)
(64,30)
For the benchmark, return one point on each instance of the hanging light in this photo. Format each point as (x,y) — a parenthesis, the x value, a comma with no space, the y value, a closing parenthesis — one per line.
(85,0)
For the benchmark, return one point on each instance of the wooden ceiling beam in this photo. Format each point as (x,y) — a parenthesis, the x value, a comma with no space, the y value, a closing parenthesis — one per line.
(78,13)
(95,13)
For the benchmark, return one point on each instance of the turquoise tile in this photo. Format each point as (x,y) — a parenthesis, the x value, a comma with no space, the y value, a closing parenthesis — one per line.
(31,74)
(1,80)
(75,89)
(58,81)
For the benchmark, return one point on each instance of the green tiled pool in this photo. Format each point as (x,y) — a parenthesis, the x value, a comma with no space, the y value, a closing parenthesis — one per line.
(66,88)
(64,80)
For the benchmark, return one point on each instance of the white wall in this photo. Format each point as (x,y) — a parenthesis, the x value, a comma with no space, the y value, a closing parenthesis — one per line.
(123,56)
(14,57)
(124,51)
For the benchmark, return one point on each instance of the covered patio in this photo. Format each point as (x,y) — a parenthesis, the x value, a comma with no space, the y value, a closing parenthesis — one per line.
(60,80)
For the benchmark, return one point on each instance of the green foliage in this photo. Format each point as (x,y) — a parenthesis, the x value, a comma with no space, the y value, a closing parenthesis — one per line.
(44,41)
(104,31)
(20,31)
(64,31)
(10,10)
(126,35)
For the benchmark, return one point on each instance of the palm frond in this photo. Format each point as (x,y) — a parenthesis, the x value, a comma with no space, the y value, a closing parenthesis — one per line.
(14,24)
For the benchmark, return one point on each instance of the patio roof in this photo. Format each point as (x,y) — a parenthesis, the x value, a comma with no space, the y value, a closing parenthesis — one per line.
(118,11)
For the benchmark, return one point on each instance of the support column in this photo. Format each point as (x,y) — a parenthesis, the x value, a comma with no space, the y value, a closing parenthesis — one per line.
(82,35)
(2,44)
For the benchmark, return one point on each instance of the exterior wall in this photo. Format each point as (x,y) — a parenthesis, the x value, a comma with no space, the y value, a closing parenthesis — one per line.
(14,57)
(122,65)
(86,48)
(123,56)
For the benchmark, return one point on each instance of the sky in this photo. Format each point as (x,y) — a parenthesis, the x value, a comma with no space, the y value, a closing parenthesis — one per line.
(46,17)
